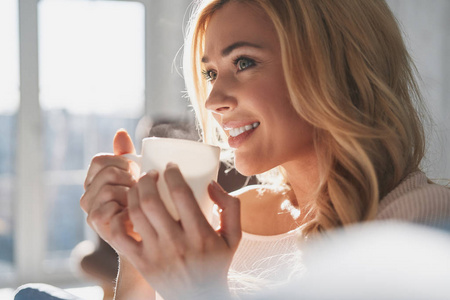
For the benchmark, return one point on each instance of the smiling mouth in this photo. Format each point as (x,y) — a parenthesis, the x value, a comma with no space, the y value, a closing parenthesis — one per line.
(240,130)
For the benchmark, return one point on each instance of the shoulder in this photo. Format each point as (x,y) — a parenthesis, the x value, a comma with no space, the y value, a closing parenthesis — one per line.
(416,199)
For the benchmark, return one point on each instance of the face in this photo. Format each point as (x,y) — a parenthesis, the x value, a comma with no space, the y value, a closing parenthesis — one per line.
(248,96)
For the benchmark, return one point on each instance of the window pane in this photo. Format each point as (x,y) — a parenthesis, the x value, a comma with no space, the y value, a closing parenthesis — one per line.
(91,56)
(9,100)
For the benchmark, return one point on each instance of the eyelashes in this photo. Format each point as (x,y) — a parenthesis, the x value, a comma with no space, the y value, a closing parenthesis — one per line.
(241,63)
(209,75)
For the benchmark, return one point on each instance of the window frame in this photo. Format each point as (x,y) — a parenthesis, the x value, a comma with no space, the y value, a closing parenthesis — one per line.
(29,205)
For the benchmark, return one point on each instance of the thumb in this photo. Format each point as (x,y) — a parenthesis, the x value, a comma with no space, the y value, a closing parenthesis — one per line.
(230,216)
(122,143)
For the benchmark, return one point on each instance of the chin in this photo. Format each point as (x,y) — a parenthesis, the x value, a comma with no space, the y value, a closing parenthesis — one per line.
(248,168)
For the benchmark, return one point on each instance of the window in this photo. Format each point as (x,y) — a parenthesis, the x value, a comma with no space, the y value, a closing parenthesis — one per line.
(9,100)
(73,72)
(90,72)
(91,58)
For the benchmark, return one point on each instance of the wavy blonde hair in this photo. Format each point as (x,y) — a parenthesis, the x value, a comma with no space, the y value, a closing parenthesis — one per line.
(348,74)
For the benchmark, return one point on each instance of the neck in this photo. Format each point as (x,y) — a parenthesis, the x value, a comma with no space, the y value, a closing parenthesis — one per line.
(303,176)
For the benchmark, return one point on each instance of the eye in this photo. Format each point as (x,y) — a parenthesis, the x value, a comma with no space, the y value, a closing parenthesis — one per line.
(243,63)
(209,75)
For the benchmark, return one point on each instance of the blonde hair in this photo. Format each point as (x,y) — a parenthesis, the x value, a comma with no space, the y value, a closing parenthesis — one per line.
(349,75)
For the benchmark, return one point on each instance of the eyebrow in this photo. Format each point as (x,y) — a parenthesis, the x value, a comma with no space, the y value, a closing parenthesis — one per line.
(227,50)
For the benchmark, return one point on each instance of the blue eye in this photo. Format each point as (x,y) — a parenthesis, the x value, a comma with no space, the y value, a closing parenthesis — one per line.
(243,63)
(209,75)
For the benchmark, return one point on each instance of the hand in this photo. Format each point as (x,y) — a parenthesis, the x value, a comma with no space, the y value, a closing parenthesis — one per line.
(184,259)
(107,183)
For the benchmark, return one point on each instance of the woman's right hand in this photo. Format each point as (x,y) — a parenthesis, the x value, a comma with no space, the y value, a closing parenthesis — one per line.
(107,182)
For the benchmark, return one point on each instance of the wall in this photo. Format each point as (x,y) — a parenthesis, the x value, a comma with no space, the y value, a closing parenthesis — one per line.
(426,25)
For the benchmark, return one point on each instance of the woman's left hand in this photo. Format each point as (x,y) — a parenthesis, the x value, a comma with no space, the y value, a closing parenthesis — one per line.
(187,258)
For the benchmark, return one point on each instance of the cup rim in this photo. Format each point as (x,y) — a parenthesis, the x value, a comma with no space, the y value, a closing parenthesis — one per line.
(197,143)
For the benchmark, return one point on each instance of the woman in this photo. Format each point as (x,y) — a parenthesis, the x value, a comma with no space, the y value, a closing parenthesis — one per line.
(324,91)
(320,93)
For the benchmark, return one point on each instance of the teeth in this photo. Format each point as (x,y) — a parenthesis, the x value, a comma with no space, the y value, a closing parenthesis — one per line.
(237,131)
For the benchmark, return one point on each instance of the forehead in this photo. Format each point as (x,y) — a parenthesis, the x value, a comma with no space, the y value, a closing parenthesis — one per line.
(238,21)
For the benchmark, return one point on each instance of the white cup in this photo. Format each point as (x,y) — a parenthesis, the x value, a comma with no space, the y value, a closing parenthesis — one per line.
(198,162)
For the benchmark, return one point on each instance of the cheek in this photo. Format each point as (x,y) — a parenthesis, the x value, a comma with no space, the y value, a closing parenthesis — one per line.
(294,134)
(300,141)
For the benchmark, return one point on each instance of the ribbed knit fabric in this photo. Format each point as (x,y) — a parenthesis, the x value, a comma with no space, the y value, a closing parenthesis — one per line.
(263,261)
(416,200)
(260,261)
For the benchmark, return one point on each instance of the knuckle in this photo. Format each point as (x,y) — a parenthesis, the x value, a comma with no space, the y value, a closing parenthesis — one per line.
(113,174)
(149,202)
(91,220)
(134,211)
(177,250)
(181,191)
(205,241)
(102,215)
(107,192)
(83,202)
(95,217)
(146,180)
(98,163)
(99,159)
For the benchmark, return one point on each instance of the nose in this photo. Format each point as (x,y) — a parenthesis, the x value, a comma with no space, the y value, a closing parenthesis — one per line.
(221,99)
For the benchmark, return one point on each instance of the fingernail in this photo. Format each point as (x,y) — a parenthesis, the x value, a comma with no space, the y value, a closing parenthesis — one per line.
(171,165)
(152,173)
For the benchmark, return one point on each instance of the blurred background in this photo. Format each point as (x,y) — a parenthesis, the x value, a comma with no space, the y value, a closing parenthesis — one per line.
(72,72)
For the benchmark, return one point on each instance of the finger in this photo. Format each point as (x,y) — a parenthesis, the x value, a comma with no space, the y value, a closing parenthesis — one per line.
(123,143)
(102,161)
(120,238)
(141,225)
(153,207)
(117,193)
(102,188)
(99,219)
(230,216)
(183,198)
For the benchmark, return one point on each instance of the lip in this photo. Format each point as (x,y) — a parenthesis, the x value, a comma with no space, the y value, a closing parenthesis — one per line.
(236,124)
(237,141)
